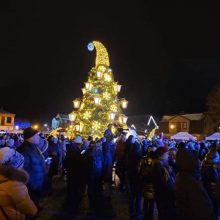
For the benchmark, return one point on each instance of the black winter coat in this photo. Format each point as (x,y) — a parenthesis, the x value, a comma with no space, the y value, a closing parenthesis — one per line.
(192,200)
(211,178)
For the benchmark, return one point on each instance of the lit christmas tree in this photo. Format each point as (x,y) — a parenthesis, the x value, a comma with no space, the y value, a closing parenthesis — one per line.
(99,105)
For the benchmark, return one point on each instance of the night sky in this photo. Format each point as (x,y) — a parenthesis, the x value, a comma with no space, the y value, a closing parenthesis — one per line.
(166,54)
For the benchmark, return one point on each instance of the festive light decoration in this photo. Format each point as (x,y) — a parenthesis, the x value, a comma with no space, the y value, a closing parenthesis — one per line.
(112,116)
(87,115)
(117,88)
(99,105)
(123,119)
(72,116)
(99,74)
(76,103)
(97,100)
(106,95)
(124,103)
(83,91)
(114,108)
(107,77)
(88,86)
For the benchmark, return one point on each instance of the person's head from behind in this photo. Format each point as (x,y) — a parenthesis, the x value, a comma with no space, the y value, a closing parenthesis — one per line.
(172,153)
(131,139)
(10,143)
(31,135)
(123,137)
(11,158)
(55,140)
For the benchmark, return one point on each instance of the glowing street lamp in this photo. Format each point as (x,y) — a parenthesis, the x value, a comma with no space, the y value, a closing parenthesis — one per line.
(83,91)
(88,86)
(117,88)
(112,116)
(123,119)
(79,127)
(16,127)
(35,127)
(72,116)
(76,103)
(97,100)
(124,103)
(172,126)
(99,74)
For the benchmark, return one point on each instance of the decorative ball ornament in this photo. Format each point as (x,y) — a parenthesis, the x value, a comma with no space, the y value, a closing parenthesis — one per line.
(90,46)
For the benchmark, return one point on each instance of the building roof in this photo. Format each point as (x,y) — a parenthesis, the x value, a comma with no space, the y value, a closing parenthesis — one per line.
(194,117)
(2,111)
(62,116)
(191,117)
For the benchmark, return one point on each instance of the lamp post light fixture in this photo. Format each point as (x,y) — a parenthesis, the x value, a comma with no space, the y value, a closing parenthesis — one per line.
(79,127)
(97,100)
(99,74)
(117,88)
(83,91)
(123,119)
(112,116)
(72,116)
(124,103)
(88,86)
(172,126)
(76,103)
(35,127)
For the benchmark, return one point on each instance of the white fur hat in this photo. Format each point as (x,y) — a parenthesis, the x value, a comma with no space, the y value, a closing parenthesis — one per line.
(11,157)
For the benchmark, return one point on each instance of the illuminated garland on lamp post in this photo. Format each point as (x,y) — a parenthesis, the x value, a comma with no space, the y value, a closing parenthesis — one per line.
(99,105)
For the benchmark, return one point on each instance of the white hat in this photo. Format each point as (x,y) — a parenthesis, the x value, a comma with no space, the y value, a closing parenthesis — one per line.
(78,140)
(11,157)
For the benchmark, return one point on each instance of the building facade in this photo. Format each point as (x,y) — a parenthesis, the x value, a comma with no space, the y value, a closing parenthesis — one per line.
(195,124)
(60,120)
(6,120)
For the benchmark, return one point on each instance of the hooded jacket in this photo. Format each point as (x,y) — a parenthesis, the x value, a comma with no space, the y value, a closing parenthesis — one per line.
(15,201)
(192,200)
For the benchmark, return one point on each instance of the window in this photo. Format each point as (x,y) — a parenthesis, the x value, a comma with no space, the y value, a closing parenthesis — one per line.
(3,120)
(184,125)
(8,120)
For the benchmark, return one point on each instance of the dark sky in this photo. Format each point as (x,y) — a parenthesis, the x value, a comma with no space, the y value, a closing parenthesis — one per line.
(166,54)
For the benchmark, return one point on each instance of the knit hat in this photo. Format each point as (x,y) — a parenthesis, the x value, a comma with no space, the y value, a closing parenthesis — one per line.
(160,151)
(78,140)
(11,157)
(29,132)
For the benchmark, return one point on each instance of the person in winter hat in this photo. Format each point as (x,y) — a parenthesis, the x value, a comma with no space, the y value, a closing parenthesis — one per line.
(163,182)
(210,171)
(15,202)
(34,163)
(192,200)
(10,143)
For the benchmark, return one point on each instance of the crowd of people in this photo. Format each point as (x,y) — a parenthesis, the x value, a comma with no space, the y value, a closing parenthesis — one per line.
(181,179)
